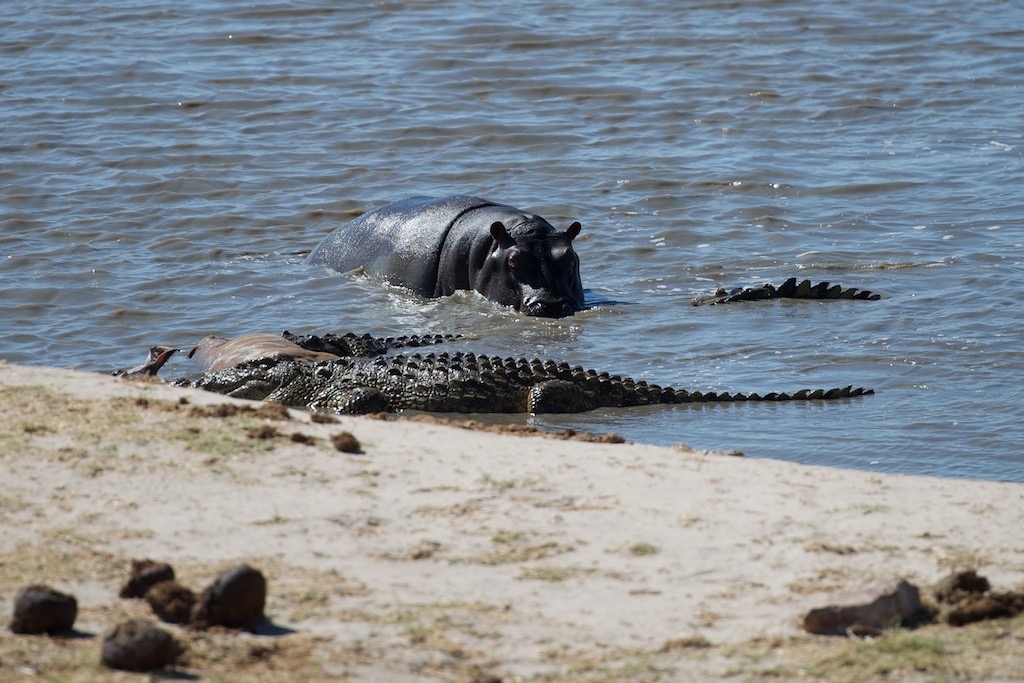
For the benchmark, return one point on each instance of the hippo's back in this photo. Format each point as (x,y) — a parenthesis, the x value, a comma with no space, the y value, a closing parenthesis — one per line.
(400,241)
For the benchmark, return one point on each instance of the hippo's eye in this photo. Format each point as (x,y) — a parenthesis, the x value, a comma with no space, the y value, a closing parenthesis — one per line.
(517,260)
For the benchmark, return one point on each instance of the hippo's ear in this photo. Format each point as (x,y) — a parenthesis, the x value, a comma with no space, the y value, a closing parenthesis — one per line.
(500,233)
(573,230)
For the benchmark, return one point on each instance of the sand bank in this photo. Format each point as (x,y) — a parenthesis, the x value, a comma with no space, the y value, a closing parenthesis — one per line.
(440,553)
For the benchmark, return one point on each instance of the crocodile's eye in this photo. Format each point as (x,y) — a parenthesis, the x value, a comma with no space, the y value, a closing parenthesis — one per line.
(323,373)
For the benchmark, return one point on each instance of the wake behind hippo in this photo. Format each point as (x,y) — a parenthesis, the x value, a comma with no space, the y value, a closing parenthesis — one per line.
(436,246)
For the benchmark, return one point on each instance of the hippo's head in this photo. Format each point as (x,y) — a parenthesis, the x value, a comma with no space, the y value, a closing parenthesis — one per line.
(534,269)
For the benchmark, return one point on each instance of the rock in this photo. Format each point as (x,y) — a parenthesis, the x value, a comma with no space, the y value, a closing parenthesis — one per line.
(41,609)
(138,645)
(870,609)
(965,598)
(346,442)
(171,601)
(145,573)
(959,585)
(979,607)
(236,599)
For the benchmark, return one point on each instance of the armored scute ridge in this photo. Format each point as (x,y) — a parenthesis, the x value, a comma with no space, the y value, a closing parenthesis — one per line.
(790,289)
(350,344)
(461,383)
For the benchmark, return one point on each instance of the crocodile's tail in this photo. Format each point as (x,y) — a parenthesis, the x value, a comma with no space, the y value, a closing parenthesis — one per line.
(669,395)
(790,289)
(560,389)
(363,346)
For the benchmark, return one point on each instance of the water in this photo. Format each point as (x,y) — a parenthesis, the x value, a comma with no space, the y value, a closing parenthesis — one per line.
(166,168)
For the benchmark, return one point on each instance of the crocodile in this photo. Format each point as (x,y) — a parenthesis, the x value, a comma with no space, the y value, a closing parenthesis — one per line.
(352,374)
(459,382)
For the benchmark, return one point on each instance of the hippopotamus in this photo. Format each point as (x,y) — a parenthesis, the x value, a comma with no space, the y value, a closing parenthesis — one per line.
(436,246)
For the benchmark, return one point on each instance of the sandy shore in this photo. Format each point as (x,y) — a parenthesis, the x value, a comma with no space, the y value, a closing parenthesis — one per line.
(441,553)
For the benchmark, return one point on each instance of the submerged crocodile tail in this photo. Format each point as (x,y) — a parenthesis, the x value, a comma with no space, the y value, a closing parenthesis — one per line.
(790,289)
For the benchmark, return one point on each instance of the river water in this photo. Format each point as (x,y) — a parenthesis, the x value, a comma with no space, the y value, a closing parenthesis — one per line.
(166,167)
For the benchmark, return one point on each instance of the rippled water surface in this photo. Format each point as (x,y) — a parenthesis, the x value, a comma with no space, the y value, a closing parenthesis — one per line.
(166,167)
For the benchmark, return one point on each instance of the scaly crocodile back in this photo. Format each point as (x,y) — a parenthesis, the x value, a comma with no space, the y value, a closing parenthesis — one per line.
(461,383)
(350,344)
